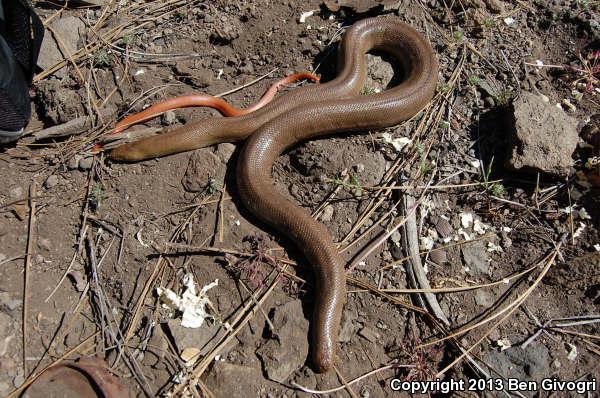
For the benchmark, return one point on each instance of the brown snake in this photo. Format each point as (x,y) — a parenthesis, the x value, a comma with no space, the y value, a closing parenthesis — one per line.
(303,114)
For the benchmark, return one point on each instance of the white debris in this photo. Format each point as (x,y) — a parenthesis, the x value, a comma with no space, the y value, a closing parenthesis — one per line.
(192,305)
(539,62)
(398,143)
(506,229)
(583,214)
(475,163)
(466,219)
(509,21)
(432,236)
(139,72)
(427,242)
(504,344)
(572,352)
(138,236)
(479,227)
(597,247)
(579,230)
(466,236)
(305,15)
(219,73)
(492,247)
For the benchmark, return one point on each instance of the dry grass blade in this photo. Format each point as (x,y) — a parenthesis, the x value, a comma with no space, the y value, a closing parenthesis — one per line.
(28,254)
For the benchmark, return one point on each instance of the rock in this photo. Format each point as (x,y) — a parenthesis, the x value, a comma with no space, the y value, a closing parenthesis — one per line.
(203,166)
(16,193)
(530,363)
(5,332)
(201,338)
(369,334)
(18,380)
(225,151)
(69,30)
(169,117)
(230,380)
(283,355)
(247,68)
(8,302)
(44,244)
(543,137)
(475,256)
(483,298)
(198,77)
(51,181)
(348,327)
(86,163)
(73,162)
(327,214)
(380,72)
(225,33)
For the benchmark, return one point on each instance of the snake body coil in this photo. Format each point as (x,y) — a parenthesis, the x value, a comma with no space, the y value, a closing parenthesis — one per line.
(300,115)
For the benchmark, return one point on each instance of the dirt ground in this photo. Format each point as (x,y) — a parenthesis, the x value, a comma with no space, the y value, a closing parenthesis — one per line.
(513,254)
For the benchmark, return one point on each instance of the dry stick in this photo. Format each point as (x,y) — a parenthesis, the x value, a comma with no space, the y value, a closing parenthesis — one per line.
(416,273)
(346,385)
(28,253)
(74,126)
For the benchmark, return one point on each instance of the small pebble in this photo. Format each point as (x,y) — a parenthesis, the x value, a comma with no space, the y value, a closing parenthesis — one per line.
(86,163)
(369,334)
(18,380)
(51,181)
(327,214)
(45,244)
(73,163)
(16,193)
(169,117)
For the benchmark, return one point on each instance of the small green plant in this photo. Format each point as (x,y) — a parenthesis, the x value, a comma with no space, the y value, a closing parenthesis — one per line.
(474,80)
(495,188)
(443,88)
(489,23)
(458,36)
(126,40)
(101,58)
(97,195)
(214,186)
(504,97)
(498,189)
(355,184)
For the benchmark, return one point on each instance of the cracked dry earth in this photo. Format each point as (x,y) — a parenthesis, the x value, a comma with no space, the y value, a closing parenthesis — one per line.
(482,221)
